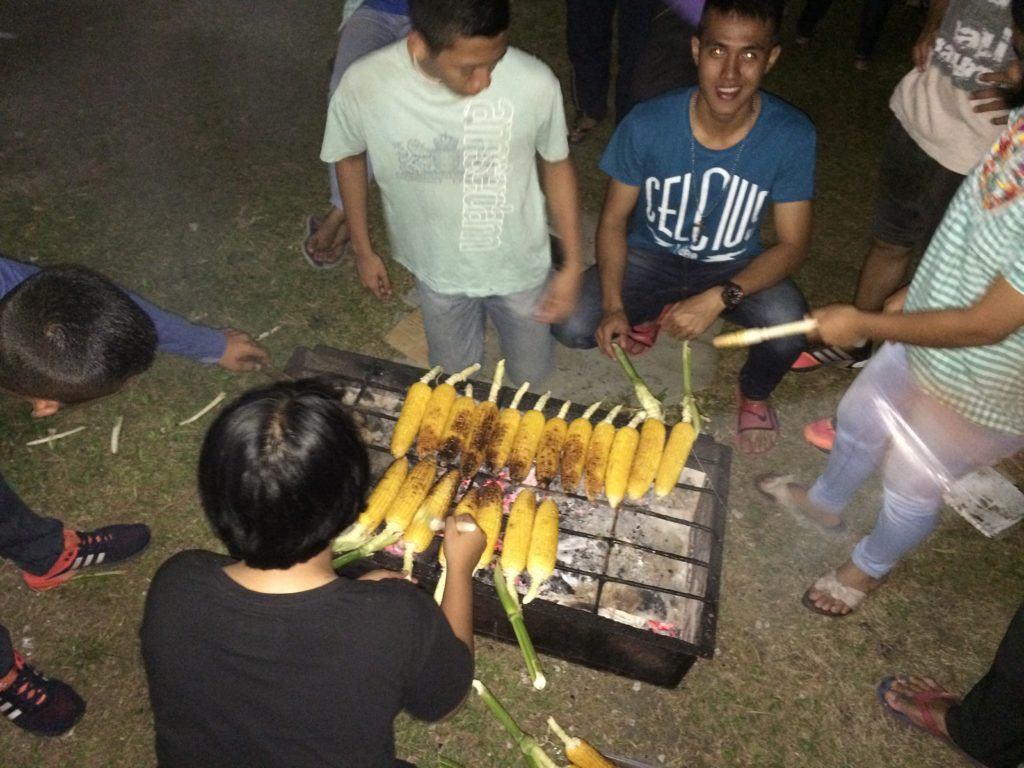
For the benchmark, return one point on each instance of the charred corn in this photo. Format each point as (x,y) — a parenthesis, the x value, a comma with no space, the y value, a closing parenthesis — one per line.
(411,415)
(420,532)
(484,418)
(435,418)
(598,449)
(648,456)
(414,490)
(574,449)
(505,431)
(620,461)
(381,497)
(549,449)
(674,457)
(460,423)
(488,517)
(515,546)
(467,505)
(540,563)
(579,752)
(524,447)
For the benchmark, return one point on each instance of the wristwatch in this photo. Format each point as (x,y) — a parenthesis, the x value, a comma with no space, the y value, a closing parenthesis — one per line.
(732,295)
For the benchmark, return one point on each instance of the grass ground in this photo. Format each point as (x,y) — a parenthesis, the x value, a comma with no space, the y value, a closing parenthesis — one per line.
(174,147)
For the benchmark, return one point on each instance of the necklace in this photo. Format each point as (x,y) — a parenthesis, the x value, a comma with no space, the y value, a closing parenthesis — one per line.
(700,218)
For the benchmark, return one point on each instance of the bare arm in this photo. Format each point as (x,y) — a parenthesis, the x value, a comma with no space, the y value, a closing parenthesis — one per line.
(562,192)
(995,316)
(691,317)
(462,551)
(612,252)
(353,183)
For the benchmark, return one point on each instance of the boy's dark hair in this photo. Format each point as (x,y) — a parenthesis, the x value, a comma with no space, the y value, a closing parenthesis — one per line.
(441,22)
(282,472)
(763,10)
(70,335)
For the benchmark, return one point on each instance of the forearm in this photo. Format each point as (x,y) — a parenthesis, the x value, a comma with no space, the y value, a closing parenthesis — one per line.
(938,328)
(612,254)
(354,186)
(457,606)
(562,193)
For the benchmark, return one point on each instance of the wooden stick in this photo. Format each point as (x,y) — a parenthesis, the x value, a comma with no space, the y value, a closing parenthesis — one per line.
(750,336)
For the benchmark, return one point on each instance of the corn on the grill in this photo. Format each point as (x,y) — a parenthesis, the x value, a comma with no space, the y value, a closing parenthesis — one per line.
(515,546)
(597,454)
(413,491)
(540,563)
(574,449)
(435,418)
(411,415)
(647,459)
(488,517)
(673,458)
(620,461)
(505,431)
(484,418)
(579,752)
(460,423)
(381,497)
(467,505)
(524,447)
(420,533)
(549,449)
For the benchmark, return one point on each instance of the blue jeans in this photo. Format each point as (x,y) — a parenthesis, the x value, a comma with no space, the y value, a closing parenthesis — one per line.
(365,31)
(921,444)
(654,279)
(455,331)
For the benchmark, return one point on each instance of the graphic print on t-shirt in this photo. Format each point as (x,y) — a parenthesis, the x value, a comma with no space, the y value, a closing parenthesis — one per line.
(728,205)
(968,43)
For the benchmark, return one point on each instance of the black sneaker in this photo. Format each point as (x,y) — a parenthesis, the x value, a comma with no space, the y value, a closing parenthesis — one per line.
(90,548)
(38,704)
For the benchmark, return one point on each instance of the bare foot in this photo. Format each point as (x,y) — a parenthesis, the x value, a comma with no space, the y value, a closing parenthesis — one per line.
(757,426)
(848,575)
(923,702)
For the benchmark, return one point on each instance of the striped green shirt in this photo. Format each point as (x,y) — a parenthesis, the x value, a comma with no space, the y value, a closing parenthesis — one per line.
(980,239)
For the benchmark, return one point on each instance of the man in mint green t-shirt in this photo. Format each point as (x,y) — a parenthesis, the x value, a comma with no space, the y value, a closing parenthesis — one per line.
(455,122)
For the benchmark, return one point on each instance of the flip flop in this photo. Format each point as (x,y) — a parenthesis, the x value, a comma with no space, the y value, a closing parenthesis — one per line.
(645,335)
(920,700)
(776,489)
(311,228)
(821,434)
(755,414)
(831,586)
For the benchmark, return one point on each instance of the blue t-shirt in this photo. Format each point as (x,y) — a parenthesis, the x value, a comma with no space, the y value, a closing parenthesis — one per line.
(653,149)
(397,7)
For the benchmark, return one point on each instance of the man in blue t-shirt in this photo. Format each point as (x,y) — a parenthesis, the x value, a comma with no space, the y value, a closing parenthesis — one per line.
(692,173)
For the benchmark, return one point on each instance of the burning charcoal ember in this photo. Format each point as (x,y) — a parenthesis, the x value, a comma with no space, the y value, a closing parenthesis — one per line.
(571,590)
(677,617)
(668,536)
(582,554)
(656,570)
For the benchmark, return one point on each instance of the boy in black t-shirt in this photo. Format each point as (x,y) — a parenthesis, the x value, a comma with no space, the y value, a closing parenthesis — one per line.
(266,656)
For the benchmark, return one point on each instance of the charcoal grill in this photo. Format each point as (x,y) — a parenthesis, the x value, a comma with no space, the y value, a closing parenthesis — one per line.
(635,591)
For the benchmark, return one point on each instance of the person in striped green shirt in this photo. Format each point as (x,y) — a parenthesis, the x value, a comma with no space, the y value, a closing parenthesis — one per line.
(945,394)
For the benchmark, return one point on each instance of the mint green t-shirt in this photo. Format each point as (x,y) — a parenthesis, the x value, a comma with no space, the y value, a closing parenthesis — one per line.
(980,239)
(458,174)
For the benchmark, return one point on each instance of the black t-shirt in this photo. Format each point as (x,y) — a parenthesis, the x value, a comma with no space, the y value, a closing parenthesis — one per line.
(316,678)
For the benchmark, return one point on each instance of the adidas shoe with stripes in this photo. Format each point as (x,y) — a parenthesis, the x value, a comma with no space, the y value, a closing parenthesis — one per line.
(85,549)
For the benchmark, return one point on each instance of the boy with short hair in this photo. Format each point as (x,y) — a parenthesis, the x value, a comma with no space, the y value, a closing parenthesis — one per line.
(281,662)
(678,242)
(455,120)
(68,335)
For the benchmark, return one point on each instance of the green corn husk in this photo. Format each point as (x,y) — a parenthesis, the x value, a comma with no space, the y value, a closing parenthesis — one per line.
(510,602)
(533,755)
(384,539)
(690,411)
(648,402)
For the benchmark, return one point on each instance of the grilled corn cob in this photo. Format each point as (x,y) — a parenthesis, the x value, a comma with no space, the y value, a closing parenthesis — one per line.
(574,449)
(435,418)
(540,563)
(381,497)
(467,505)
(647,459)
(598,449)
(620,461)
(549,449)
(579,752)
(484,418)
(524,447)
(412,493)
(460,422)
(488,517)
(674,457)
(505,431)
(411,415)
(420,532)
(515,546)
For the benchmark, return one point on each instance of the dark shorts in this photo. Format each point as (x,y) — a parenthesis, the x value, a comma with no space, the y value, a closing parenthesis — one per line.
(914,192)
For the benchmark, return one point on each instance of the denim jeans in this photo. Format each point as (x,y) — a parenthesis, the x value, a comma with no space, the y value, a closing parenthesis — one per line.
(455,331)
(653,280)
(34,543)
(6,651)
(365,31)
(921,444)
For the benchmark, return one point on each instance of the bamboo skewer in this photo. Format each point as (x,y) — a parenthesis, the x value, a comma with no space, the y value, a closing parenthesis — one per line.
(750,336)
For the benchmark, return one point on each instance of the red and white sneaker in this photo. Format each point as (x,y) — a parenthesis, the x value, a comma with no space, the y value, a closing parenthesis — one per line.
(84,549)
(36,703)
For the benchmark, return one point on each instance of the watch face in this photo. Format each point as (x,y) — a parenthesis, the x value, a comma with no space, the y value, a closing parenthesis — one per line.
(732,295)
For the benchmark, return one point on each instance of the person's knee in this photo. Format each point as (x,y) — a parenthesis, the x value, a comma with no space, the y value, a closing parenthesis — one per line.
(574,335)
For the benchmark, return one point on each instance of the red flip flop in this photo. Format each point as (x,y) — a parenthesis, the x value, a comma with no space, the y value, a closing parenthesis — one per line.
(646,334)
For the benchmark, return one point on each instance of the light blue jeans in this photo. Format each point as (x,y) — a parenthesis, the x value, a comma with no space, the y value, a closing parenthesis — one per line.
(455,331)
(364,31)
(921,444)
